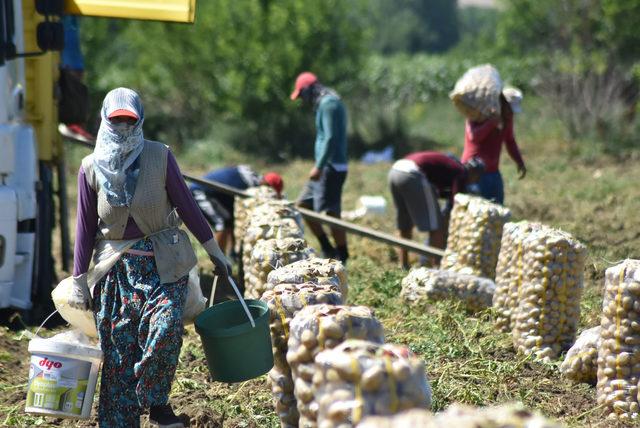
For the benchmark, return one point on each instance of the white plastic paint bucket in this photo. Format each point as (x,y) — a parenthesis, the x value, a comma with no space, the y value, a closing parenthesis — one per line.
(62,378)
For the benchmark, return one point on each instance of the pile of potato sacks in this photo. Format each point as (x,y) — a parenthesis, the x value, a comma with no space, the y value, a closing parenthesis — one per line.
(424,284)
(306,297)
(475,232)
(242,210)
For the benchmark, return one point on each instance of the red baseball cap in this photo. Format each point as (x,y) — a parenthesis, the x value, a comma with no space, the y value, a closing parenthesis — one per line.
(302,81)
(274,180)
(123,112)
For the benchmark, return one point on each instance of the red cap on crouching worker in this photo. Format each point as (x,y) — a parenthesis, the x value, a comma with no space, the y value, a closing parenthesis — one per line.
(123,112)
(302,81)
(274,180)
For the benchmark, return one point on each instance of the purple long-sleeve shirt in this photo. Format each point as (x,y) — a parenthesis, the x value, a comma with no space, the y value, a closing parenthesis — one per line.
(87,222)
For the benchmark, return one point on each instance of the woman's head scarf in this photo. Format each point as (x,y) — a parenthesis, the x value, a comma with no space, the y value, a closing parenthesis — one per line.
(118,145)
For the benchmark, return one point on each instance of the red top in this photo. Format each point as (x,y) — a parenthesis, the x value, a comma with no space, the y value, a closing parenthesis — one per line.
(484,140)
(444,172)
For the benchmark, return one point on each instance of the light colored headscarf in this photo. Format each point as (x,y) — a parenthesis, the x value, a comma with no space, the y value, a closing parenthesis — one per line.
(118,146)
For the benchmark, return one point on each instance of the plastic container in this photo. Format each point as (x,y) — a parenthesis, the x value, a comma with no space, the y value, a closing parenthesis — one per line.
(62,378)
(236,351)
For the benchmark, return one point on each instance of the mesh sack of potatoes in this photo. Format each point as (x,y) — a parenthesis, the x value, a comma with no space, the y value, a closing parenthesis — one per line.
(359,378)
(619,353)
(509,271)
(284,301)
(412,418)
(315,329)
(477,93)
(475,231)
(268,227)
(268,255)
(423,284)
(461,416)
(548,312)
(315,270)
(242,207)
(581,362)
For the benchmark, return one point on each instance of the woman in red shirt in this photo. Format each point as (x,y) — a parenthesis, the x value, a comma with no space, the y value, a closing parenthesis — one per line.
(484,140)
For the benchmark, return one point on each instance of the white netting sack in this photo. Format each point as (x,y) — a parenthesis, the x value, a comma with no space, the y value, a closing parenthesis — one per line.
(77,318)
(548,312)
(509,271)
(423,284)
(477,93)
(462,416)
(475,231)
(581,361)
(315,270)
(284,301)
(315,329)
(360,378)
(619,354)
(268,255)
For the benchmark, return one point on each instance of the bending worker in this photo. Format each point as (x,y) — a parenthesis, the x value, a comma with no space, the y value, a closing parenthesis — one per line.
(323,191)
(129,190)
(218,207)
(417,181)
(484,140)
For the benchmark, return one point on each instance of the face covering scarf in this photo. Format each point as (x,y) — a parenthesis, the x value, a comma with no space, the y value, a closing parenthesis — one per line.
(118,146)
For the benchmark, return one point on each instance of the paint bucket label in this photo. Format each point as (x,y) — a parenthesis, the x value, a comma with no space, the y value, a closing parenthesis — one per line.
(57,383)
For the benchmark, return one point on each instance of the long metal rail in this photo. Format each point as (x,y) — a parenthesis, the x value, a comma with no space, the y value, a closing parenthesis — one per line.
(349,227)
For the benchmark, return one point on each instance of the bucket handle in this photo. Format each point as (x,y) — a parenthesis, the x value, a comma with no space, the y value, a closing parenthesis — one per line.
(242,302)
(34,335)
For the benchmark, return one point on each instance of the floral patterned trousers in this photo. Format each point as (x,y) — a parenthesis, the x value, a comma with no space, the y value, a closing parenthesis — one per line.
(140,329)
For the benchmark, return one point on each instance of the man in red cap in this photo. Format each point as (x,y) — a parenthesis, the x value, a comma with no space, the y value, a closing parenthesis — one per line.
(217,207)
(323,191)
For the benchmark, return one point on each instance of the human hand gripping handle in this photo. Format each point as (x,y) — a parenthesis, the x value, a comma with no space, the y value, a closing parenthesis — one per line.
(80,296)
(222,265)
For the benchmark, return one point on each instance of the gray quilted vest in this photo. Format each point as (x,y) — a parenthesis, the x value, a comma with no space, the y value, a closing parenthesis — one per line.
(151,210)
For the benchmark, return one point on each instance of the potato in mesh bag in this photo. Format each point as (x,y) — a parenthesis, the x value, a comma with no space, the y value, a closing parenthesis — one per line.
(548,312)
(315,270)
(271,254)
(477,93)
(619,354)
(581,361)
(423,284)
(475,231)
(509,271)
(359,379)
(284,301)
(242,207)
(462,416)
(314,329)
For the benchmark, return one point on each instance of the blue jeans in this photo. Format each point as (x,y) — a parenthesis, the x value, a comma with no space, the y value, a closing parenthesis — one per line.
(492,187)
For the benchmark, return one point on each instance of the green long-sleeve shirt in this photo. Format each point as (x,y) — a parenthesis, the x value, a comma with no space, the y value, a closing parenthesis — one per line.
(331,132)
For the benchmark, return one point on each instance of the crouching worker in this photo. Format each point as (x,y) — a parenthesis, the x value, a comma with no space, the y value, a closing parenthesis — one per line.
(129,190)
(416,182)
(218,207)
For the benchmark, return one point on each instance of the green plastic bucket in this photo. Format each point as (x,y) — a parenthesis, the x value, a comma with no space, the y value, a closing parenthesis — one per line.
(236,351)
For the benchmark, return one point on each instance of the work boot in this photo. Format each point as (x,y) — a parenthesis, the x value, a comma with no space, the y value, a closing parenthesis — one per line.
(343,254)
(163,417)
